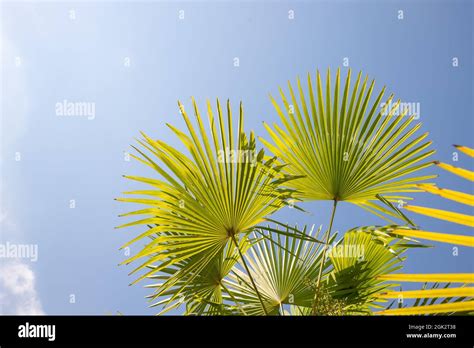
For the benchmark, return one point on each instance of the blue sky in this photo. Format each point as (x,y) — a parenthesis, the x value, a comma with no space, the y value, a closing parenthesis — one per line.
(56,51)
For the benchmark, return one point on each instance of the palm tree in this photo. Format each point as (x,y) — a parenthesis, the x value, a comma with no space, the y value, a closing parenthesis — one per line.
(212,246)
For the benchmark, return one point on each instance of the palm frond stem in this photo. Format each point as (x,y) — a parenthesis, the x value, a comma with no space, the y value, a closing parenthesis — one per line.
(249,273)
(323,259)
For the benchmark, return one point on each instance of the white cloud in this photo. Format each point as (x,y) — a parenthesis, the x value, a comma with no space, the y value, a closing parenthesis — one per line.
(17,290)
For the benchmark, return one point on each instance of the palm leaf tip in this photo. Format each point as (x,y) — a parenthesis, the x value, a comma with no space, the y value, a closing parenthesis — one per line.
(468,151)
(463,173)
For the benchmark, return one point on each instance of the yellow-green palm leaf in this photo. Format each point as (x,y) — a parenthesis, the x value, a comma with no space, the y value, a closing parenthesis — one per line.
(462,293)
(437,237)
(458,218)
(283,269)
(346,148)
(441,308)
(468,151)
(448,292)
(201,201)
(463,173)
(204,294)
(434,277)
(456,196)
(363,256)
(460,197)
(286,272)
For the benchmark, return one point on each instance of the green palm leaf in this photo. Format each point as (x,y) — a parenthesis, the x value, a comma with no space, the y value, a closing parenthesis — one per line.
(286,273)
(203,295)
(433,301)
(346,150)
(364,254)
(283,270)
(202,201)
(455,300)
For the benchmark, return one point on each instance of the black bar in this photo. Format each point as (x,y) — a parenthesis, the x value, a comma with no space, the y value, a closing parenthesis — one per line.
(173,330)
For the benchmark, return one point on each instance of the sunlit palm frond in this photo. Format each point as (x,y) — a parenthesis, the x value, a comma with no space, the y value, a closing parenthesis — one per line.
(456,196)
(346,148)
(455,307)
(202,295)
(395,239)
(458,218)
(450,300)
(283,267)
(431,277)
(434,293)
(202,201)
(286,272)
(454,300)
(463,219)
(463,173)
(432,301)
(468,151)
(436,237)
(364,254)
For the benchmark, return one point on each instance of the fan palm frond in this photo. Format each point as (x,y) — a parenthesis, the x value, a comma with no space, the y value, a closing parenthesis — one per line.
(286,274)
(201,202)
(346,149)
(364,254)
(283,270)
(202,295)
